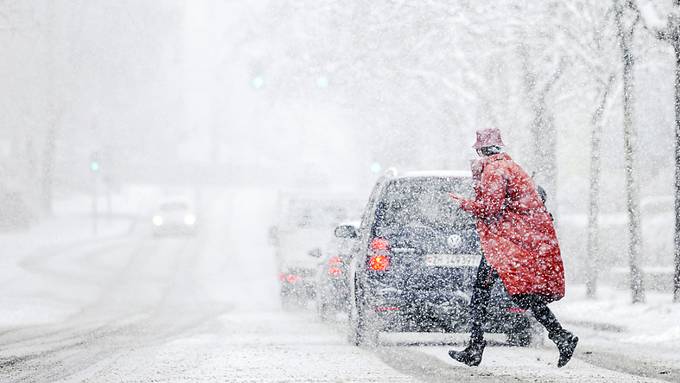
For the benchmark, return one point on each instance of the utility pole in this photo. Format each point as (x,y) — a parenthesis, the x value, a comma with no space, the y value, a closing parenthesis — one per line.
(672,35)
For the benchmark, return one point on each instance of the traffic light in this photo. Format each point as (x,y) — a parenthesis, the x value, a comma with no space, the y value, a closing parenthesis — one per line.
(257,82)
(95,165)
(376,167)
(322,82)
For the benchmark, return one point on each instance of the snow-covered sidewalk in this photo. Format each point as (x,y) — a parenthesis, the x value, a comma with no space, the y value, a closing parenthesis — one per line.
(648,331)
(655,322)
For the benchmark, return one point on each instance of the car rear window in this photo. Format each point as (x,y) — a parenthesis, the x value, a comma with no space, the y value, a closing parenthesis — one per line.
(423,202)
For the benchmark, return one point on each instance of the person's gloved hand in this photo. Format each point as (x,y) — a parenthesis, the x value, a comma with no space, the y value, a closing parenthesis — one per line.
(456,198)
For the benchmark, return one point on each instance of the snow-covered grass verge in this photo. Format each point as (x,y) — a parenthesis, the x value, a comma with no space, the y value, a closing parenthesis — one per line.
(657,321)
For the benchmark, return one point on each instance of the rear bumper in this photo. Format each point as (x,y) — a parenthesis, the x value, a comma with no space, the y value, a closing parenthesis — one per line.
(397,311)
(301,289)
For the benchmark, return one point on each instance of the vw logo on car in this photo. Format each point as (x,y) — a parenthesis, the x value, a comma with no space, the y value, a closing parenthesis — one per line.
(454,241)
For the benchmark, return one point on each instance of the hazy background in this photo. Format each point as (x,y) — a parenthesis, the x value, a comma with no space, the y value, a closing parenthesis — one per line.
(323,94)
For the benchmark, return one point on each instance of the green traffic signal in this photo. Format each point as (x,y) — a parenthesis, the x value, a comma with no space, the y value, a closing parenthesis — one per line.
(257,82)
(322,82)
(94,166)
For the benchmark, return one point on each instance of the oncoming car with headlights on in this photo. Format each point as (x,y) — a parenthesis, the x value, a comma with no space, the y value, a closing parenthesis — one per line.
(174,217)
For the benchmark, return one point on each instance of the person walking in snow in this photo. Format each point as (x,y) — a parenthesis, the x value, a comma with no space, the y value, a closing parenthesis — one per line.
(519,247)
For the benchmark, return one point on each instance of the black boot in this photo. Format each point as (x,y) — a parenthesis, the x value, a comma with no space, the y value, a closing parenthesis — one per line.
(472,355)
(566,343)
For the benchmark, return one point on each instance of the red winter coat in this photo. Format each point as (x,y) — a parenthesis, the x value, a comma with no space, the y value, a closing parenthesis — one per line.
(516,231)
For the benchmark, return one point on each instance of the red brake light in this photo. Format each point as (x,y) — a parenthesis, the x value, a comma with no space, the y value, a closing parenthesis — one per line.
(379,262)
(334,262)
(334,266)
(380,259)
(380,244)
(291,278)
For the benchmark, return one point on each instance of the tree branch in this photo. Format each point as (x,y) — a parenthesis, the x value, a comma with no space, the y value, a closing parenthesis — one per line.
(661,34)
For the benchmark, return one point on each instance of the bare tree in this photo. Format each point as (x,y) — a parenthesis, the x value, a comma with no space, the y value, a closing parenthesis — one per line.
(672,35)
(593,198)
(625,23)
(49,146)
(543,131)
(592,48)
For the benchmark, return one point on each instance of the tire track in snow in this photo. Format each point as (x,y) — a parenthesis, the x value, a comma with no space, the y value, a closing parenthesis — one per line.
(77,349)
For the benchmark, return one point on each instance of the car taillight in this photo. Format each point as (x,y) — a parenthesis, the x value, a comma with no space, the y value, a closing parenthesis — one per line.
(379,262)
(334,262)
(289,278)
(380,244)
(380,258)
(335,271)
(334,266)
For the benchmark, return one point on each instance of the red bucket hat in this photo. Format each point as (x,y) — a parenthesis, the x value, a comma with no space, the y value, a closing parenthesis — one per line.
(488,137)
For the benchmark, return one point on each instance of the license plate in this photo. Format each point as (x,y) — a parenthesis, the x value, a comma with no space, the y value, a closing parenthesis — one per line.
(452,260)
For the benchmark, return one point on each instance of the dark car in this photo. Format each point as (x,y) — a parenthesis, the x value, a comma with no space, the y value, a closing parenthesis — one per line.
(415,260)
(332,291)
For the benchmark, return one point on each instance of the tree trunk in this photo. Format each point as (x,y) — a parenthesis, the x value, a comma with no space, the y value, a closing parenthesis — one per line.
(676,276)
(47,174)
(593,213)
(594,205)
(545,150)
(52,118)
(629,138)
(672,34)
(543,132)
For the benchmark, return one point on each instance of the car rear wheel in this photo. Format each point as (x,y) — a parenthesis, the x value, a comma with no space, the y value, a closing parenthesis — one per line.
(322,310)
(363,329)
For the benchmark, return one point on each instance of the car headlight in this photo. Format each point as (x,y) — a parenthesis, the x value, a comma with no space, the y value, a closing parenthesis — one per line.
(190,219)
(157,220)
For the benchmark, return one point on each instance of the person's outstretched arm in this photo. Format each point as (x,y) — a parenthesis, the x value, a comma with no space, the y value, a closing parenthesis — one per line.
(490,197)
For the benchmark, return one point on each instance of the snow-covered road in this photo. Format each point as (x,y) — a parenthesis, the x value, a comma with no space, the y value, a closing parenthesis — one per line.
(138,309)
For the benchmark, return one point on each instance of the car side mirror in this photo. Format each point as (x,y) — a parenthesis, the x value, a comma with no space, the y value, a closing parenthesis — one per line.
(316,253)
(345,231)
